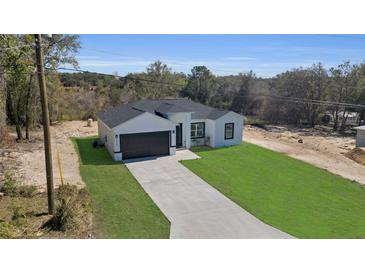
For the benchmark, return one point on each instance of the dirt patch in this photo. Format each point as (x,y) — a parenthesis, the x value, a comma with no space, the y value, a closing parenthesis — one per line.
(319,146)
(23,217)
(26,159)
(357,154)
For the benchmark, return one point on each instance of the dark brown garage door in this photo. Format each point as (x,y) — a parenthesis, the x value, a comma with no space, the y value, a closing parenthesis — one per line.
(144,144)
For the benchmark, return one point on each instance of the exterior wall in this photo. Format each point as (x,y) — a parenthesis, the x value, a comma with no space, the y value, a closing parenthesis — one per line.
(147,122)
(143,123)
(185,119)
(230,117)
(209,133)
(106,137)
(360,138)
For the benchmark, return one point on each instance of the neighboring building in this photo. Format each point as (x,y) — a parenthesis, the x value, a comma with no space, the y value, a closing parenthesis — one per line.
(360,136)
(158,127)
(353,118)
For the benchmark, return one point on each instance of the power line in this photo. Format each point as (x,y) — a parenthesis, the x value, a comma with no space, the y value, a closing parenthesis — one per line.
(306,101)
(277,97)
(123,77)
(289,98)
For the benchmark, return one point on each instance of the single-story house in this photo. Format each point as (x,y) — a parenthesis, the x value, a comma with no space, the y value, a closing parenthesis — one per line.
(360,136)
(158,127)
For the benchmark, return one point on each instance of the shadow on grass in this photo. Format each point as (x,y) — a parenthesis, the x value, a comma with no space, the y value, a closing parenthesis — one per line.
(90,155)
(207,148)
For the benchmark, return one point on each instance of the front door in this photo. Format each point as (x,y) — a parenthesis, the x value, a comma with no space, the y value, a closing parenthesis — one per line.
(179,135)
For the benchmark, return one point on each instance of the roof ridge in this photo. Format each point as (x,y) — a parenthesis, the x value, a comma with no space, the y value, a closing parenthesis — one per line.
(136,108)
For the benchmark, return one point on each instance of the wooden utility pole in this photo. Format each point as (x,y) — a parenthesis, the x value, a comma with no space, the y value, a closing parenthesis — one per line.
(46,130)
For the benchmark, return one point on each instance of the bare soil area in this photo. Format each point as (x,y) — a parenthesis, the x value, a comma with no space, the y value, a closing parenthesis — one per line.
(318,146)
(357,154)
(26,159)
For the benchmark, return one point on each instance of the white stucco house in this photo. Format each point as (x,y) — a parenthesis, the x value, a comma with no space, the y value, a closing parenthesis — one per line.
(157,127)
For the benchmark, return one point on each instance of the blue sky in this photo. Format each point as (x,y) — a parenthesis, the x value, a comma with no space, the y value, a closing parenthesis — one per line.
(265,55)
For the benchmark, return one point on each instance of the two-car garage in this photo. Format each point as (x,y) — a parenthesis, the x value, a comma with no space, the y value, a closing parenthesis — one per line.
(144,144)
(142,135)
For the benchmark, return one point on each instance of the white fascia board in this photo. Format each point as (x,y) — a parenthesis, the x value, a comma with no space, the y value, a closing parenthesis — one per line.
(148,114)
(230,112)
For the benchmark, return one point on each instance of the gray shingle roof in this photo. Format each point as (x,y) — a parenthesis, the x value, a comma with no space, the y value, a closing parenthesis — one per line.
(118,115)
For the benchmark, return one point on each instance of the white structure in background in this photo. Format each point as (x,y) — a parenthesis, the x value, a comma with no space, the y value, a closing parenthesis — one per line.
(353,118)
(360,136)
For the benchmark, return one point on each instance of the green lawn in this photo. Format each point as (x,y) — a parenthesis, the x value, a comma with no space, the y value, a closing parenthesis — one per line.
(293,196)
(123,208)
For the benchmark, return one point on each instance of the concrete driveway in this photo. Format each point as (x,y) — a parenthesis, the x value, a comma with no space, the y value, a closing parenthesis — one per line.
(194,208)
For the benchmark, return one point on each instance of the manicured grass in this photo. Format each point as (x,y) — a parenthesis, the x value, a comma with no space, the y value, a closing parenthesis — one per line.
(123,208)
(291,195)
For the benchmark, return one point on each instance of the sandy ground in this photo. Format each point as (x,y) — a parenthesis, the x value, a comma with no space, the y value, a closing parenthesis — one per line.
(319,147)
(26,159)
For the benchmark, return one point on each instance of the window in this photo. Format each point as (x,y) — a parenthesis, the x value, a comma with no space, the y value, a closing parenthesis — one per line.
(197,130)
(228,130)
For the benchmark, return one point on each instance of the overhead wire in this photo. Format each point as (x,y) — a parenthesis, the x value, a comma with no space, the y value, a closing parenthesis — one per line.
(289,98)
(277,97)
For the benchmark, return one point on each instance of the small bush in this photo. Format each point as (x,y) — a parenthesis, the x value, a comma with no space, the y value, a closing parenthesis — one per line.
(27,191)
(72,204)
(10,186)
(8,231)
(18,213)
(254,121)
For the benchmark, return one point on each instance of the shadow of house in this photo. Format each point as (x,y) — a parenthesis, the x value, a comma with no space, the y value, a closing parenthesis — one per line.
(90,155)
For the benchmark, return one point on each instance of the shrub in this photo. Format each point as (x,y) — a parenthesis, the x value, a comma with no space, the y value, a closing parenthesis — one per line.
(70,209)
(27,191)
(8,231)
(10,186)
(18,213)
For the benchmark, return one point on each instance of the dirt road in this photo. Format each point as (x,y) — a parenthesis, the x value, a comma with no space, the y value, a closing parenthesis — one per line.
(317,147)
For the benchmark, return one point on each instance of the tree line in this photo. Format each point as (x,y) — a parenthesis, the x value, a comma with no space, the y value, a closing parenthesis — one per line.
(267,99)
(19,80)
(81,95)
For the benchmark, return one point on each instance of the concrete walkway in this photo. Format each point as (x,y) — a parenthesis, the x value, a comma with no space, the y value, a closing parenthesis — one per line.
(194,208)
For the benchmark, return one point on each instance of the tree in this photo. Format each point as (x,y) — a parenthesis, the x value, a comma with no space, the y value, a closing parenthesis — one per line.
(242,100)
(292,84)
(19,66)
(318,85)
(16,66)
(2,105)
(343,89)
(201,84)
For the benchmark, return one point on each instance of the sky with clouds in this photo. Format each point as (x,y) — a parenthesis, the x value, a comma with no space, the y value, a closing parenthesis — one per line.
(265,55)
